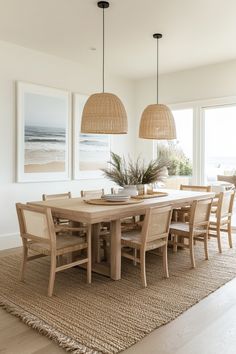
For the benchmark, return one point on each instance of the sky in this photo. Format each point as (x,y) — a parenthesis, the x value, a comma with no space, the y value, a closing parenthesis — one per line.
(45,111)
(184,130)
(220,128)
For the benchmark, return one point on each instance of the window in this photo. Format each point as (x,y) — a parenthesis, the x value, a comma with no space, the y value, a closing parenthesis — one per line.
(179,151)
(220,141)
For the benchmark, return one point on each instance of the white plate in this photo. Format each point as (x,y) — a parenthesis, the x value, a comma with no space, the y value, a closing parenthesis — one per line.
(115,198)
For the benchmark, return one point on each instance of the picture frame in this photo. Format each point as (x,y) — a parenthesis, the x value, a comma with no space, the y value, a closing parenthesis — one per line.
(43,133)
(91,152)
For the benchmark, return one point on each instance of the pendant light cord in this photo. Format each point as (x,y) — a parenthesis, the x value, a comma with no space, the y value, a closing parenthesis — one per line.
(103,5)
(103,51)
(157,70)
(157,36)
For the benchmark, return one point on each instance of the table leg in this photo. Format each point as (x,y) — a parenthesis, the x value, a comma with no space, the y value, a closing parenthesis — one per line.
(97,266)
(95,243)
(115,250)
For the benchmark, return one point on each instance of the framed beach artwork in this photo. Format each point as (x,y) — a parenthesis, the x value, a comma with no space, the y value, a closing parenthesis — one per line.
(43,133)
(91,152)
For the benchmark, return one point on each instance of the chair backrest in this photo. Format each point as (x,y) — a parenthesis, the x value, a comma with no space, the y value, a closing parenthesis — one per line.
(156,224)
(36,223)
(56,196)
(225,204)
(96,193)
(200,213)
(185,187)
(229,179)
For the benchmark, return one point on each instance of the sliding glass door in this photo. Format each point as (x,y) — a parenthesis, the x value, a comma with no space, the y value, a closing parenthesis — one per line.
(220,142)
(220,145)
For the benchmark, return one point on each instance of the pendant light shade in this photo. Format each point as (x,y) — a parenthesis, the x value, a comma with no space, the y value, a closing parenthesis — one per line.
(157,121)
(104,113)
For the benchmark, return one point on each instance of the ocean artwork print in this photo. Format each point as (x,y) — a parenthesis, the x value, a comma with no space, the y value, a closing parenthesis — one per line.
(44,149)
(43,133)
(94,151)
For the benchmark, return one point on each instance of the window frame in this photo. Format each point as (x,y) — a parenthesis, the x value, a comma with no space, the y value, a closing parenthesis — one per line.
(198,133)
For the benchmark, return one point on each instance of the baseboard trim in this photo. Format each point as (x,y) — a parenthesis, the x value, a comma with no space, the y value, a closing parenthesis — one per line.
(10,241)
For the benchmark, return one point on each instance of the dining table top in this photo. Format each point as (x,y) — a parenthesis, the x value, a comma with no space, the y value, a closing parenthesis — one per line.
(77,209)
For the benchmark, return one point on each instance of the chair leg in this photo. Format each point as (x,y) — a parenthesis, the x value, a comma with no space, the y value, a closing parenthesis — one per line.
(206,246)
(24,261)
(143,268)
(175,216)
(191,247)
(60,260)
(104,246)
(165,261)
(96,243)
(135,256)
(230,235)
(52,274)
(219,239)
(89,254)
(99,246)
(175,240)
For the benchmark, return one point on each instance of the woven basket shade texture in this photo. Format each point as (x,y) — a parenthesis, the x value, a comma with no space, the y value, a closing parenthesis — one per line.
(104,113)
(157,122)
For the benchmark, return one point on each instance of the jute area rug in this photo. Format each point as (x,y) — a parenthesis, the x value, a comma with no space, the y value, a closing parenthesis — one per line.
(110,316)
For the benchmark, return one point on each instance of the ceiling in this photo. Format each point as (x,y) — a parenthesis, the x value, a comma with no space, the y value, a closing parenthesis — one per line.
(195,32)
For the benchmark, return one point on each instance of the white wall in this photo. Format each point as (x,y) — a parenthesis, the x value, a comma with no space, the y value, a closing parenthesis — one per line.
(212,81)
(18,63)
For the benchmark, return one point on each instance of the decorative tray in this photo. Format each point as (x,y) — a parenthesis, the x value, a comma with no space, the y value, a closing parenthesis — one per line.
(107,202)
(151,195)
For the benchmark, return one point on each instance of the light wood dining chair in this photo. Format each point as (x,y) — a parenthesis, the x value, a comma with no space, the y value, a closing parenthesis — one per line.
(56,196)
(92,194)
(67,195)
(220,220)
(183,213)
(195,230)
(38,234)
(154,234)
(63,225)
(186,187)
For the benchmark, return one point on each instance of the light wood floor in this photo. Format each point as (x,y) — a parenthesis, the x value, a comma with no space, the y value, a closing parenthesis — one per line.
(207,328)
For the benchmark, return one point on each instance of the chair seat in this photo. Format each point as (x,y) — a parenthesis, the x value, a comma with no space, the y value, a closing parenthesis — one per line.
(133,236)
(214,209)
(213,221)
(184,228)
(181,213)
(133,239)
(62,243)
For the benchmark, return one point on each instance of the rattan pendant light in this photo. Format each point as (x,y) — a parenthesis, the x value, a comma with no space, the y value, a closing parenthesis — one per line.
(157,121)
(104,113)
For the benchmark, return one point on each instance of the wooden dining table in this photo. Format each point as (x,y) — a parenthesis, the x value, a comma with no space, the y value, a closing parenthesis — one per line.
(78,210)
